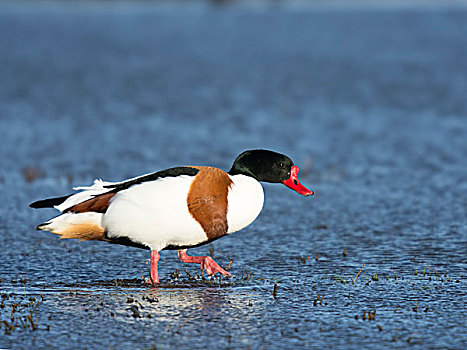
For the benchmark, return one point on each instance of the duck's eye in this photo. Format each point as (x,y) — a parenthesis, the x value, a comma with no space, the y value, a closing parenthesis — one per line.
(281,165)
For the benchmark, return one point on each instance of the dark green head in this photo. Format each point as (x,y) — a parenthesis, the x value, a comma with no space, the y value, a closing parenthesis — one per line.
(263,165)
(269,166)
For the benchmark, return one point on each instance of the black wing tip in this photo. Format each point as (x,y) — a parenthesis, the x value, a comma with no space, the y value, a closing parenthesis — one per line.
(48,203)
(35,205)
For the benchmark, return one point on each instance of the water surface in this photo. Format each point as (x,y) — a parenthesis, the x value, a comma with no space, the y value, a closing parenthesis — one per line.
(370,103)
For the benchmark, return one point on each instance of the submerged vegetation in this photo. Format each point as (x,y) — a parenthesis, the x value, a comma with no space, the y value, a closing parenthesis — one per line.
(18,312)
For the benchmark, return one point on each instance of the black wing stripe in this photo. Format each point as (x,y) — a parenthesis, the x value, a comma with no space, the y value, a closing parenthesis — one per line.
(172,172)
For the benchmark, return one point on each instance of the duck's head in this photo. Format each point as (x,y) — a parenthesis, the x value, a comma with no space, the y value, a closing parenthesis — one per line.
(269,166)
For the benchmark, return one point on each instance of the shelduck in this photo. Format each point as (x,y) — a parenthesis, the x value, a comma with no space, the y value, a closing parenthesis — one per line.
(173,209)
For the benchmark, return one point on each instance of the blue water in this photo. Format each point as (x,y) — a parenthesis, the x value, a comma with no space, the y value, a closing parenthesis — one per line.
(369,102)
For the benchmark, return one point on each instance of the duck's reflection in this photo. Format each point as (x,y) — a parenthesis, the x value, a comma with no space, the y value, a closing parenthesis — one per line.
(189,303)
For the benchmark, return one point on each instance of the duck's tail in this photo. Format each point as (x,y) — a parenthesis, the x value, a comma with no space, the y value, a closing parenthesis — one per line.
(83,226)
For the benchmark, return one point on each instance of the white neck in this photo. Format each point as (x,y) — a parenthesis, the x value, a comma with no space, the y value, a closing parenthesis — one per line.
(245,201)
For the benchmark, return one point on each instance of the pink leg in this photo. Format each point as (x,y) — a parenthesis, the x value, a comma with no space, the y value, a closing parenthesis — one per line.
(207,263)
(154,273)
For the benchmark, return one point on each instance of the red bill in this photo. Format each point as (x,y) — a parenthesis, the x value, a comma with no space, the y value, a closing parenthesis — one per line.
(293,183)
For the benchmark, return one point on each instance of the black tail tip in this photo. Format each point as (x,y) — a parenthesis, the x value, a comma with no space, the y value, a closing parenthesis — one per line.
(40,227)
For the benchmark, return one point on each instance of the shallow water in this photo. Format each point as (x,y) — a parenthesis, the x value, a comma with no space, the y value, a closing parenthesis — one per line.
(369,102)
